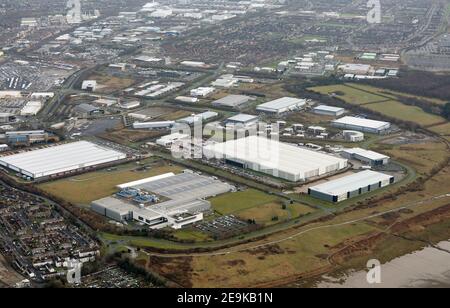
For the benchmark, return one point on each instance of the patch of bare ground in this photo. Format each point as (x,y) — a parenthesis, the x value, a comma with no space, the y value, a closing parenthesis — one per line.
(177,270)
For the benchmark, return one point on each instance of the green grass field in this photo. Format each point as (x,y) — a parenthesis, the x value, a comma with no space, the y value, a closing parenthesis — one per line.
(443,129)
(403,112)
(382,101)
(264,214)
(349,95)
(84,189)
(235,202)
(395,94)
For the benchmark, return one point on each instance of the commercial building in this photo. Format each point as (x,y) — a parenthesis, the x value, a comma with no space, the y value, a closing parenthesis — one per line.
(329,110)
(242,119)
(350,186)
(361,124)
(282,105)
(185,204)
(154,125)
(275,158)
(27,138)
(60,159)
(353,136)
(370,157)
(232,101)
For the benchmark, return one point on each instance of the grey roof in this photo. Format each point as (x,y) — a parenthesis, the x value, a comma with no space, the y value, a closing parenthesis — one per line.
(86,108)
(281,103)
(186,186)
(328,108)
(351,183)
(232,100)
(366,153)
(243,118)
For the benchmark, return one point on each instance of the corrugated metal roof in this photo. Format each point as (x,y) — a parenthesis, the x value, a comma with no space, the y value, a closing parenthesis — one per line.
(62,158)
(351,183)
(361,122)
(281,103)
(271,154)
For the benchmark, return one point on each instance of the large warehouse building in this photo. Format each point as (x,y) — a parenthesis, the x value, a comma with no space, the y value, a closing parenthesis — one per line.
(329,110)
(232,101)
(185,202)
(275,158)
(351,186)
(363,125)
(282,105)
(60,159)
(370,157)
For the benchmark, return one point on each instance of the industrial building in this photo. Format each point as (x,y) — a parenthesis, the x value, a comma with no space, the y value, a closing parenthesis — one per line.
(88,110)
(329,110)
(275,158)
(89,85)
(129,105)
(202,91)
(350,186)
(232,101)
(168,140)
(154,125)
(185,203)
(353,136)
(282,105)
(370,157)
(27,138)
(7,117)
(31,108)
(361,124)
(242,119)
(357,69)
(60,159)
(205,116)
(186,99)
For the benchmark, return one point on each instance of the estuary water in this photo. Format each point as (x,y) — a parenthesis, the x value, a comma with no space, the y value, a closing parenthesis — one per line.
(426,268)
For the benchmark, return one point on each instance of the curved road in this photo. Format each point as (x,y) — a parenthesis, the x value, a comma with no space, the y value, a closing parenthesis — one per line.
(226,252)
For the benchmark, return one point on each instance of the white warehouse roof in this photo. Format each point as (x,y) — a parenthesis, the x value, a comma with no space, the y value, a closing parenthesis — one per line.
(351,183)
(243,118)
(366,153)
(60,159)
(275,158)
(281,105)
(328,108)
(361,122)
